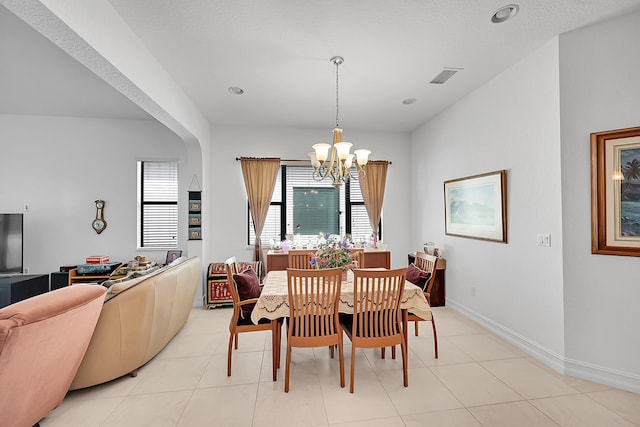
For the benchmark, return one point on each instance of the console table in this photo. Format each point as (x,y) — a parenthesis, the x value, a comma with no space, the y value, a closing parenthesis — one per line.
(74,277)
(22,286)
(437,291)
(372,259)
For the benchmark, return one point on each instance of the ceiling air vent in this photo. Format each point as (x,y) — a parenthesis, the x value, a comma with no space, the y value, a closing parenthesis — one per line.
(445,75)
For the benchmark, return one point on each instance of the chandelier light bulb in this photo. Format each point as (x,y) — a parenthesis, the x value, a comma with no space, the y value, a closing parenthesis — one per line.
(363,156)
(314,160)
(322,150)
(343,149)
(349,162)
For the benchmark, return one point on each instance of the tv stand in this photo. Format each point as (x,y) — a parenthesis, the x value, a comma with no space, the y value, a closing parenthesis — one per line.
(22,286)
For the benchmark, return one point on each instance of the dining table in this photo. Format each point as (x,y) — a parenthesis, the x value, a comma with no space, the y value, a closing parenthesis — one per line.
(273,304)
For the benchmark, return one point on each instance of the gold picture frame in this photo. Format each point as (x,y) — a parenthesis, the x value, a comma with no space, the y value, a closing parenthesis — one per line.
(615,192)
(476,206)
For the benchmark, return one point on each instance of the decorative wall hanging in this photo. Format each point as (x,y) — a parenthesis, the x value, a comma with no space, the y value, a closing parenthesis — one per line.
(615,192)
(195,215)
(476,206)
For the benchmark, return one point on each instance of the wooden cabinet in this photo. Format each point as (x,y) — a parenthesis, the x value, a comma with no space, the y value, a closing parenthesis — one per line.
(74,277)
(280,261)
(438,291)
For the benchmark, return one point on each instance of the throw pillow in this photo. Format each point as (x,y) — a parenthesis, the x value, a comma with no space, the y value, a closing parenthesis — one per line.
(248,286)
(417,276)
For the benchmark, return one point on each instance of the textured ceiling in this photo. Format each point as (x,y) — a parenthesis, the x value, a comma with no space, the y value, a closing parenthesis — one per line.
(278,51)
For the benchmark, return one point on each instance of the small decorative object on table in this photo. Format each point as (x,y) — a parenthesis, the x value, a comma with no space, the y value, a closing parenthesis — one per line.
(333,252)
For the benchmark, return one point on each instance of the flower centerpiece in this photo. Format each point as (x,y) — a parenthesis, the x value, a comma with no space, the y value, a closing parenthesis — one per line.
(333,253)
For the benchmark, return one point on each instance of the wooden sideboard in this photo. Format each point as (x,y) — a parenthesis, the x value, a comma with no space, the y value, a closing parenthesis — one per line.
(280,261)
(438,291)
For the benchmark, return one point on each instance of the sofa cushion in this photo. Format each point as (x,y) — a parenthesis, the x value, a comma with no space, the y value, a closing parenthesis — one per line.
(248,286)
(417,276)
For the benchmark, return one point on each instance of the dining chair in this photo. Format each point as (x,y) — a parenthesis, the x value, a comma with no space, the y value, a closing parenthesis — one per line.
(427,263)
(314,296)
(301,258)
(245,289)
(358,255)
(377,319)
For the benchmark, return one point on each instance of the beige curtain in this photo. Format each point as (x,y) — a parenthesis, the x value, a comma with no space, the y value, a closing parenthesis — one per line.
(259,180)
(372,185)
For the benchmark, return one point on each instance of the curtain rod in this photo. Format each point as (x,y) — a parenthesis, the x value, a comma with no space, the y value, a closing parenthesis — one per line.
(286,160)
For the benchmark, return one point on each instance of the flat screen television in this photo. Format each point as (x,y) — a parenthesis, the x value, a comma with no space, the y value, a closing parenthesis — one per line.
(11,243)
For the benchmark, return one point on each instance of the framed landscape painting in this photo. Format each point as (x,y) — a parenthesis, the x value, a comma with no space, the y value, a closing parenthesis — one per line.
(615,192)
(475,206)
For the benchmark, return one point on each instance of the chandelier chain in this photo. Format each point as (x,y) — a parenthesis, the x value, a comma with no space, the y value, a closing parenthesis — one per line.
(337,104)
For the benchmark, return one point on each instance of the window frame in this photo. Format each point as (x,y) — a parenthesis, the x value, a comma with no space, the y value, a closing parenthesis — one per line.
(141,203)
(283,204)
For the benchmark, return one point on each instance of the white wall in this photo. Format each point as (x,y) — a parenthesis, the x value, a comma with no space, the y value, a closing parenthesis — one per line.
(60,165)
(600,90)
(512,122)
(229,201)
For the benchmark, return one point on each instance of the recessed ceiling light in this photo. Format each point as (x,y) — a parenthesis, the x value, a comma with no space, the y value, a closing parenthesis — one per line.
(236,90)
(505,13)
(409,101)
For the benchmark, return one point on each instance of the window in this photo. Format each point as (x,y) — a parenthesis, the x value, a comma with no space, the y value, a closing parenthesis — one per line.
(157,204)
(301,205)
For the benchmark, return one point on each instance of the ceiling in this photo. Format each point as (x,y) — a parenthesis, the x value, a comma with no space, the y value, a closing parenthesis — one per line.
(278,52)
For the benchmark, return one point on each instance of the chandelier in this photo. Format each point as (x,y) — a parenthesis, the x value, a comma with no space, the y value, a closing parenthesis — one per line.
(338,167)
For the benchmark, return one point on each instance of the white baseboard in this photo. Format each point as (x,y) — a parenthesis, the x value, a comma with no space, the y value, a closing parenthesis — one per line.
(602,375)
(558,362)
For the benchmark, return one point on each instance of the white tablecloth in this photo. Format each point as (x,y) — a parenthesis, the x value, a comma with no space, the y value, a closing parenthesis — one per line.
(274,299)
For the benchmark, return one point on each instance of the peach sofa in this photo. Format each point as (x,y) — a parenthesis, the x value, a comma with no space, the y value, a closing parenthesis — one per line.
(139,317)
(42,342)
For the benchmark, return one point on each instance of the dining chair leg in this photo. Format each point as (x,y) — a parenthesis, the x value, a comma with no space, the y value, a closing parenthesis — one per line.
(287,368)
(393,352)
(231,339)
(382,352)
(435,335)
(353,365)
(236,340)
(275,348)
(405,367)
(341,357)
(416,327)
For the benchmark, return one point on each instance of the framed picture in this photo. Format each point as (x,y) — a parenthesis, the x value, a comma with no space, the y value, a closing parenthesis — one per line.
(173,255)
(615,192)
(194,219)
(476,206)
(195,234)
(194,205)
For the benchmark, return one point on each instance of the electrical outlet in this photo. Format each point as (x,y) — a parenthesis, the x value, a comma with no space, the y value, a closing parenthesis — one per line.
(26,270)
(27,207)
(544,239)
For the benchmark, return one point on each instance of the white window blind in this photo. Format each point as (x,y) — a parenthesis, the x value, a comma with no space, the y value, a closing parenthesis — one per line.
(158,204)
(310,207)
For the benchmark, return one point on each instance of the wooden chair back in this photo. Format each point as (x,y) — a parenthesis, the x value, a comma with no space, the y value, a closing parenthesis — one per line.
(301,258)
(313,303)
(427,262)
(376,307)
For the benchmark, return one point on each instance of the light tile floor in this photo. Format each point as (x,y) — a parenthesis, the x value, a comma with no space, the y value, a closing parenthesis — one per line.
(479,380)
